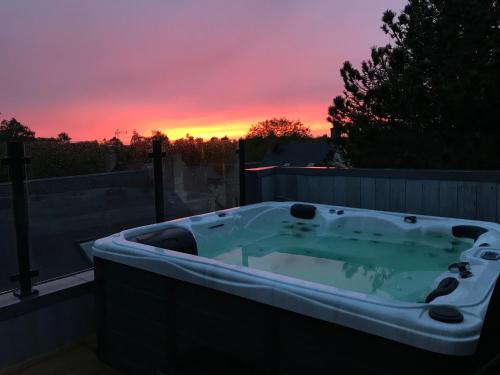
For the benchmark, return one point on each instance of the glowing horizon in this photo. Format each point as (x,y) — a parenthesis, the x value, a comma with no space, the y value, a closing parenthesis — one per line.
(219,127)
(231,130)
(90,68)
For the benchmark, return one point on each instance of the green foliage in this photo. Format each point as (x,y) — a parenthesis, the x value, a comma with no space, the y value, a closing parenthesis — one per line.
(279,127)
(430,99)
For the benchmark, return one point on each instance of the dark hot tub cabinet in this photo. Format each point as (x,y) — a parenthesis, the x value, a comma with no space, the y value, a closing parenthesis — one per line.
(165,307)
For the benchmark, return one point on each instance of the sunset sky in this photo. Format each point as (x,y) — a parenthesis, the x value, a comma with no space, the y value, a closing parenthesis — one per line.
(204,67)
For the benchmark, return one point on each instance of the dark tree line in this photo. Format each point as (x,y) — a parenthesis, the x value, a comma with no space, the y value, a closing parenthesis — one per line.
(431,98)
(58,156)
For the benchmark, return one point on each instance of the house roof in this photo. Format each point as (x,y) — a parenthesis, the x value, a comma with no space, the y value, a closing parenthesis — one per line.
(299,153)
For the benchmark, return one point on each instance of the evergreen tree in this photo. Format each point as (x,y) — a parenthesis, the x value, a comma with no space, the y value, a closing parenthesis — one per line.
(430,99)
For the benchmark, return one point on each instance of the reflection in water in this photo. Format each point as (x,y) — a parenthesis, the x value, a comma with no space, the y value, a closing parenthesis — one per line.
(370,263)
(376,275)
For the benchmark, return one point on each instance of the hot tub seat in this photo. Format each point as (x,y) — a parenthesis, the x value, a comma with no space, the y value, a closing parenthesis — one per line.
(173,238)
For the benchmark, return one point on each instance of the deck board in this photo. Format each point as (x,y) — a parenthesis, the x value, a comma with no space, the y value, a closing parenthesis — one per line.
(75,360)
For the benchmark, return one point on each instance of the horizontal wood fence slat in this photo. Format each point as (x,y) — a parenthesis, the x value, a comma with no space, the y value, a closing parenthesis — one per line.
(461,194)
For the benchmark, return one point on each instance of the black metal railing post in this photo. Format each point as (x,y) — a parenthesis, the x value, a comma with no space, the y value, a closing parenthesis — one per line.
(241,153)
(157,156)
(16,161)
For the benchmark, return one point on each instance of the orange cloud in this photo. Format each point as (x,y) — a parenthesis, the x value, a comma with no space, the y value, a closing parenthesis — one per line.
(96,121)
(232,125)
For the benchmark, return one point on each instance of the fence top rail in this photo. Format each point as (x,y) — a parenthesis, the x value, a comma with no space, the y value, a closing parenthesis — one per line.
(407,174)
(82,182)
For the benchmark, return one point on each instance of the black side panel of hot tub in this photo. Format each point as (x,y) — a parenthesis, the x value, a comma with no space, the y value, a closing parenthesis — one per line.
(303,211)
(177,239)
(489,342)
(468,231)
(149,324)
(134,318)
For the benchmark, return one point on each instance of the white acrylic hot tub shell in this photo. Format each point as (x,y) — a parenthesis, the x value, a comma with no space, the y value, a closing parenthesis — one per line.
(408,323)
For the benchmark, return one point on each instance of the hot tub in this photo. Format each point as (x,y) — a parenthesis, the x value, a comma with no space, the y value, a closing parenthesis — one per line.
(290,287)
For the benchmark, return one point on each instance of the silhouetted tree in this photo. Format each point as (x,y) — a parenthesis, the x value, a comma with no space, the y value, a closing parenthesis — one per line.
(157,134)
(190,149)
(220,152)
(141,146)
(63,137)
(266,135)
(114,142)
(52,158)
(13,130)
(429,99)
(279,127)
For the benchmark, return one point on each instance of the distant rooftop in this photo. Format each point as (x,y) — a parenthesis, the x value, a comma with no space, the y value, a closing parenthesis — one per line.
(304,153)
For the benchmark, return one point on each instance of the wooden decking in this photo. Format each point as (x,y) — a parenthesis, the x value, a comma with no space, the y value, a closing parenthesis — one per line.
(78,359)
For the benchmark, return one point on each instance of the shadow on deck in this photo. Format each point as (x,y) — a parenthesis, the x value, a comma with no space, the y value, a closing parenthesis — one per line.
(78,359)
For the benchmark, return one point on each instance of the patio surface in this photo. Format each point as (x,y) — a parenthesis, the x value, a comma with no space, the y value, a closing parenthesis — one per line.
(78,359)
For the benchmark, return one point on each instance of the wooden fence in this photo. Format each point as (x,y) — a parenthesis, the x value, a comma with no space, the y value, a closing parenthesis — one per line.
(460,194)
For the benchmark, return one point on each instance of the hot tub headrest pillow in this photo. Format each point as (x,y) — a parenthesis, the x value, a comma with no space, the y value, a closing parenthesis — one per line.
(177,239)
(468,231)
(303,211)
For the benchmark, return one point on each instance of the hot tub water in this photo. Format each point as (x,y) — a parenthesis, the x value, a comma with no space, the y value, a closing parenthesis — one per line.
(387,266)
